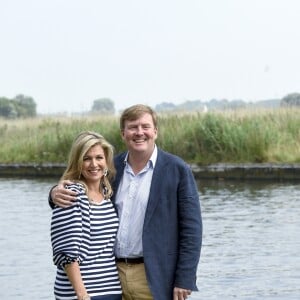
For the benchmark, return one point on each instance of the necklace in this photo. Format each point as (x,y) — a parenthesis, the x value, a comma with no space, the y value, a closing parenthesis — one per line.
(95,202)
(95,197)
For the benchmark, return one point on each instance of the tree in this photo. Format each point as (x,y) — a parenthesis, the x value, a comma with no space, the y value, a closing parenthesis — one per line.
(7,108)
(165,106)
(103,105)
(25,106)
(20,106)
(291,100)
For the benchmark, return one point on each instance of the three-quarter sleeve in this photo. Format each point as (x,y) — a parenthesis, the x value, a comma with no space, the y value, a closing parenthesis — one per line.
(70,230)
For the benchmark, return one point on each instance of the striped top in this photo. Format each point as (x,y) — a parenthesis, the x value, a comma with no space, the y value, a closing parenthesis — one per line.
(86,233)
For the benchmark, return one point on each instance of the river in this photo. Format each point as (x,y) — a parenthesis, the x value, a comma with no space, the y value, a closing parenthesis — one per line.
(251,245)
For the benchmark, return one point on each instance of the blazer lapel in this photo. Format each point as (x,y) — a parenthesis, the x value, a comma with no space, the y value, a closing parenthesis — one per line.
(119,165)
(154,198)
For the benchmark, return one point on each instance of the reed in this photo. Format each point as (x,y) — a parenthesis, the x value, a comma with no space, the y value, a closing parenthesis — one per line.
(240,136)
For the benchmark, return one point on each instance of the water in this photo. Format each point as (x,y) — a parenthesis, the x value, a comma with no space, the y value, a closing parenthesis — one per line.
(251,246)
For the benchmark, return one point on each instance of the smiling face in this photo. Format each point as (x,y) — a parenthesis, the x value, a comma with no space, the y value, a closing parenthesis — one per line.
(94,164)
(139,135)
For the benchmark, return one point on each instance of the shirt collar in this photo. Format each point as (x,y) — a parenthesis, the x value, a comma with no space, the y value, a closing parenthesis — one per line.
(152,159)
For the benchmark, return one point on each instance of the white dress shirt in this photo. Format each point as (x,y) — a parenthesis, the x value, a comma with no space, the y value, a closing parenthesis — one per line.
(131,202)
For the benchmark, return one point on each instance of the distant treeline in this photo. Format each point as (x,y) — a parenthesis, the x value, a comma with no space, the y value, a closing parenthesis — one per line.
(224,104)
(24,106)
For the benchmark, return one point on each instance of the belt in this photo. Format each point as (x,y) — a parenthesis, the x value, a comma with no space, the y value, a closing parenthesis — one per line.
(129,260)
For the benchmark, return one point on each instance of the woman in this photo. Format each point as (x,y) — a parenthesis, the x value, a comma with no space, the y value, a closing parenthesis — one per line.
(83,235)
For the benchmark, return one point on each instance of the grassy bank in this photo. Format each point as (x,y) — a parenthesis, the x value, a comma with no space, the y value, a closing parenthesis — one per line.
(233,136)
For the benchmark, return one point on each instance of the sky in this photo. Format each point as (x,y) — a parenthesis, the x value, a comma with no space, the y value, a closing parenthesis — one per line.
(67,53)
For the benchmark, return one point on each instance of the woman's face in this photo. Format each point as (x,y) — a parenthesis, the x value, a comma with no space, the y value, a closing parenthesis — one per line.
(94,164)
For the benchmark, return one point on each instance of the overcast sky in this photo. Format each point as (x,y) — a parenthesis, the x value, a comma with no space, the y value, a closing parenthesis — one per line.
(67,53)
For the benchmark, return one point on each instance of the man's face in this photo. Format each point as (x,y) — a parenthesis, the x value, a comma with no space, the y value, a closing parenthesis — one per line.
(140,135)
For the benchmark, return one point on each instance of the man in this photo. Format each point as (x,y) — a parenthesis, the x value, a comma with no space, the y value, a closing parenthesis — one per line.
(159,239)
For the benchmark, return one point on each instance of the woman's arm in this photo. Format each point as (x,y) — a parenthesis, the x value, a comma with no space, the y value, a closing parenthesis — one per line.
(74,275)
(69,244)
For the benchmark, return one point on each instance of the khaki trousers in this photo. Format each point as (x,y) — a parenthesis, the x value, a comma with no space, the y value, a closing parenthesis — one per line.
(134,282)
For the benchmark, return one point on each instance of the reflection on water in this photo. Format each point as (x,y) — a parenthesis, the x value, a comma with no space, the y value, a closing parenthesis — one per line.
(250,244)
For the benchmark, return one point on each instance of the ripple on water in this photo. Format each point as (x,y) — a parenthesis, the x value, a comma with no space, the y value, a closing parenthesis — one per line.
(250,241)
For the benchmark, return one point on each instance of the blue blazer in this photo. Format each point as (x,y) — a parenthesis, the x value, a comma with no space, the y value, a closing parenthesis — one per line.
(172,233)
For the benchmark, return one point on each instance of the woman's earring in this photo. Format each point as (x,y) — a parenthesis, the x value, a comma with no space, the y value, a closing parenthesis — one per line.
(105,172)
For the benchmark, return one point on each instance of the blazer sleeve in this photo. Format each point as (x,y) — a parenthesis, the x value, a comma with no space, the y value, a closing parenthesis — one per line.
(50,201)
(190,230)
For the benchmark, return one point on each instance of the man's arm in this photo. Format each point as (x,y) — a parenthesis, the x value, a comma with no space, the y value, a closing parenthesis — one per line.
(60,196)
(190,232)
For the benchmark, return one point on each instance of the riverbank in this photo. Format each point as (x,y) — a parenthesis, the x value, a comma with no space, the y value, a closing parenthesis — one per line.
(221,171)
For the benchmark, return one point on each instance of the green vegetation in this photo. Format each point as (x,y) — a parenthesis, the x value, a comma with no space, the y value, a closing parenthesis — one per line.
(238,136)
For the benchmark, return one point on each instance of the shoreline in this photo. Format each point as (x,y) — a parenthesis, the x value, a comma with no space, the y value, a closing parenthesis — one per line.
(220,171)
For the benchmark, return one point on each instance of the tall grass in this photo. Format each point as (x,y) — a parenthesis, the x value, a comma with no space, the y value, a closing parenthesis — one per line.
(239,136)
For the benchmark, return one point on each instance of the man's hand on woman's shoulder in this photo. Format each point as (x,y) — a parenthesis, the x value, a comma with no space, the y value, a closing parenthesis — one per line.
(61,196)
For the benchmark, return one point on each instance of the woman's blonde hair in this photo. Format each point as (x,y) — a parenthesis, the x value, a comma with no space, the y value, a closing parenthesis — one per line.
(81,145)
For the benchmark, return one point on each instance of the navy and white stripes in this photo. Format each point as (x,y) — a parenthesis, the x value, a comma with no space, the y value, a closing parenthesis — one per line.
(85,233)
